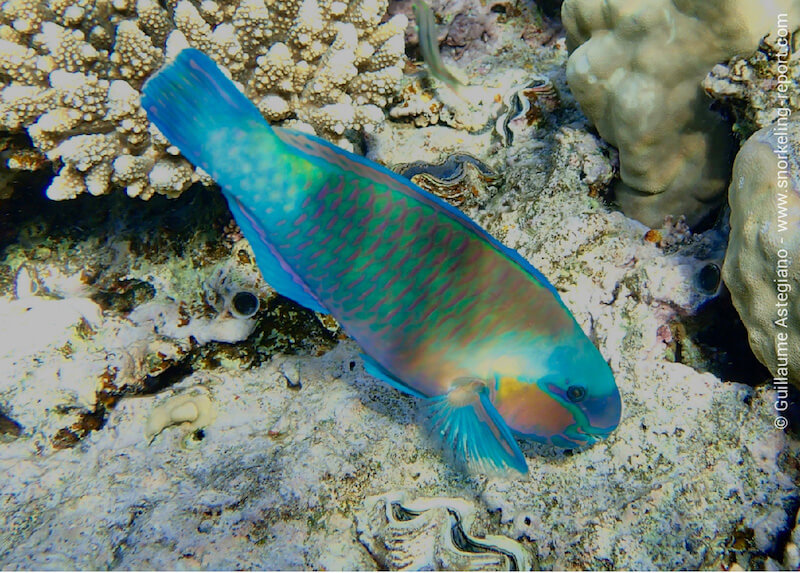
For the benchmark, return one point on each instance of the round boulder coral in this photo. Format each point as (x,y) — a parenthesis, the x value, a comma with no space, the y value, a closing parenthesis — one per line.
(762,268)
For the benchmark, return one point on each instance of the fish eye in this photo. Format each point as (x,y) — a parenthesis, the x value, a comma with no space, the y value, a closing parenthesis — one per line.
(576,393)
(244,304)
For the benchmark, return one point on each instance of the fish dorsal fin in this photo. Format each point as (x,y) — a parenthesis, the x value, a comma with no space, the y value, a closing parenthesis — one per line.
(276,271)
(472,426)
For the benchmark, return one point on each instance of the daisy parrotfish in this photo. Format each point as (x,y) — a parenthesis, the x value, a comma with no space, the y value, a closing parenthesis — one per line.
(441,309)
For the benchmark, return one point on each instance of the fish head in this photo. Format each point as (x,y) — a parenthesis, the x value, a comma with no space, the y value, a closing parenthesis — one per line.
(582,382)
(574,403)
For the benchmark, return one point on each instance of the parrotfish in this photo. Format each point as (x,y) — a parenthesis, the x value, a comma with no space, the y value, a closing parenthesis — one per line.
(442,310)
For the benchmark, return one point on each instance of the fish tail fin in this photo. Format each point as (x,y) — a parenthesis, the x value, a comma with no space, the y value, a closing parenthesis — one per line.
(467,420)
(201,111)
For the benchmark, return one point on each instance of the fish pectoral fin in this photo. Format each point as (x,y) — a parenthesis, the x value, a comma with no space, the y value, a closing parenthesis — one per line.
(469,422)
(379,372)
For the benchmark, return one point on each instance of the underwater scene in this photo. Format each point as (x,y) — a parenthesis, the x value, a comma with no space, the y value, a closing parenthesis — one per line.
(399,284)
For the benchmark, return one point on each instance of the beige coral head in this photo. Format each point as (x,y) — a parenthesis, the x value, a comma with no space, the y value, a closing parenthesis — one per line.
(762,266)
(74,70)
(194,409)
(636,68)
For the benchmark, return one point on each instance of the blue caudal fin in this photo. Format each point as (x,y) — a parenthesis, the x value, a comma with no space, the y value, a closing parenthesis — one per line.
(467,420)
(200,110)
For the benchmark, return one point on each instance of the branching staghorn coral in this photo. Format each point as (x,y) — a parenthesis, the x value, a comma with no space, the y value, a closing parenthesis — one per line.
(71,71)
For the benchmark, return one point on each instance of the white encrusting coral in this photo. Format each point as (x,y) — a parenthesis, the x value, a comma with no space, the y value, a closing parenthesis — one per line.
(193,408)
(71,72)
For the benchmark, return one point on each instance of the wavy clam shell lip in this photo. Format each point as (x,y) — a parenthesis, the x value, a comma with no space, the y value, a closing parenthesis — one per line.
(459,178)
(433,533)
(450,171)
(521,100)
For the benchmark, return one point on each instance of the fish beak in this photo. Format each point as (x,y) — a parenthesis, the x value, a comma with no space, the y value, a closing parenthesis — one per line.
(604,418)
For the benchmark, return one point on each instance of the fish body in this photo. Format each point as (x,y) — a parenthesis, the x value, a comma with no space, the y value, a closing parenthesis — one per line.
(441,309)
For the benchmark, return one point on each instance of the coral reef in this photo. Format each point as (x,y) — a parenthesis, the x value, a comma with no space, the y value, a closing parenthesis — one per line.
(119,311)
(465,29)
(471,111)
(293,473)
(762,269)
(636,69)
(284,478)
(71,71)
(193,408)
(754,88)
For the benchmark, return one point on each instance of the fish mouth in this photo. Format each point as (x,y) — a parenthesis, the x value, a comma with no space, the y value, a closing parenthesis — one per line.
(581,437)
(603,414)
(595,418)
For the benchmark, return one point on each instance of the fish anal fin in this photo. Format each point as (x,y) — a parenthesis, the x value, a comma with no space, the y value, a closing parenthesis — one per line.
(470,424)
(376,370)
(275,271)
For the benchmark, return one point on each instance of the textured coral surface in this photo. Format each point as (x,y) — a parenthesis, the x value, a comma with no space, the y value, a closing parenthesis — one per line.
(762,269)
(636,68)
(696,476)
(757,86)
(148,420)
(71,71)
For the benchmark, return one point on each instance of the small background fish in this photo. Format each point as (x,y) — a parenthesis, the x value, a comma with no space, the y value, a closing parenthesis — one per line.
(441,309)
(429,46)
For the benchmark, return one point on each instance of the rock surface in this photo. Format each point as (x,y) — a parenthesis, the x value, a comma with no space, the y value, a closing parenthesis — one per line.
(636,68)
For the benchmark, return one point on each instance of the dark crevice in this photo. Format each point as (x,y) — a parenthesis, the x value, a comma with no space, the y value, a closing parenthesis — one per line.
(9,427)
(169,377)
(87,422)
(715,340)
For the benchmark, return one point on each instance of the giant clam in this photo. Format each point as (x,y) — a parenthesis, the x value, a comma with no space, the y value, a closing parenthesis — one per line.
(526,104)
(433,533)
(460,179)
